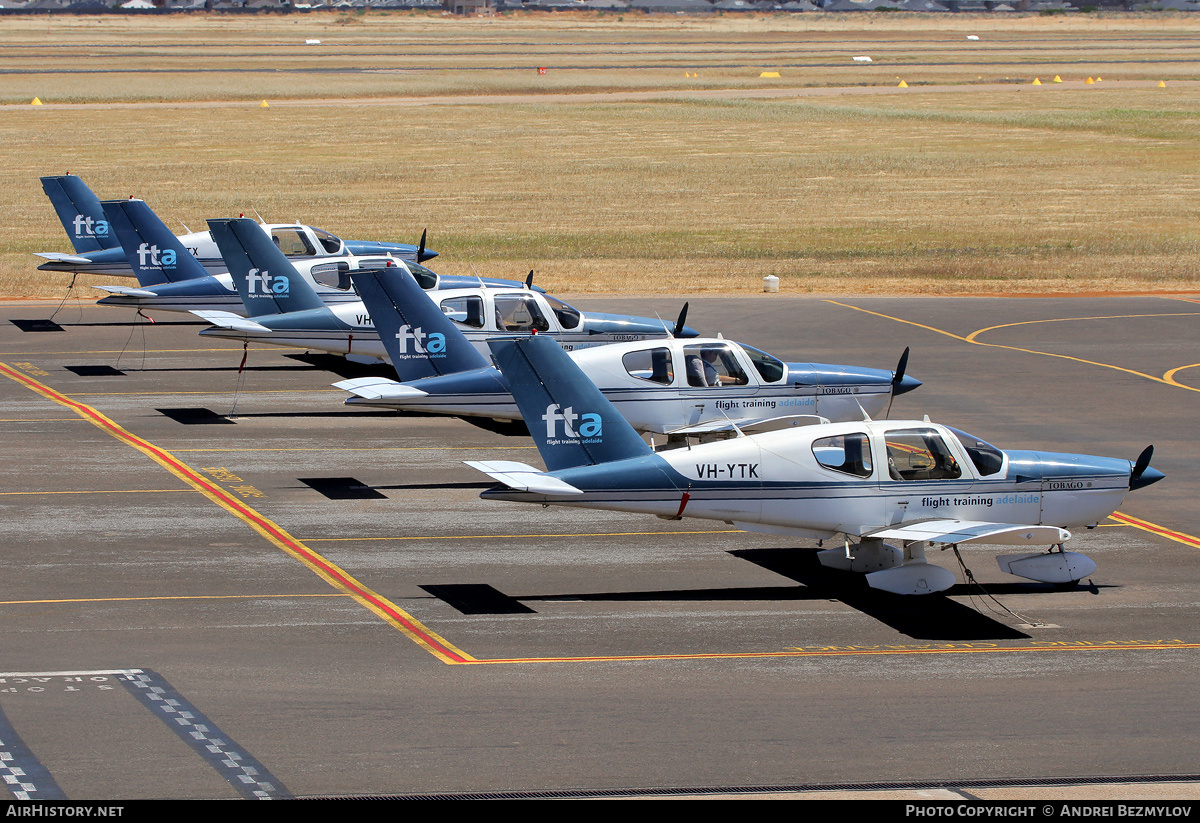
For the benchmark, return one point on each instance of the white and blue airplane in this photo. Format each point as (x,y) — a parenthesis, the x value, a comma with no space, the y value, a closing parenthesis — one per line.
(912,482)
(171,279)
(98,251)
(679,386)
(281,309)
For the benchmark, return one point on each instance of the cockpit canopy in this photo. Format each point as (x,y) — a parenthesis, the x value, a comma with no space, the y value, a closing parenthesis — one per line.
(915,453)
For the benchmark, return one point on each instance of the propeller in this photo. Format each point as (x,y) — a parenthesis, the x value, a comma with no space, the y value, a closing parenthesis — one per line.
(1141,475)
(529,280)
(897,381)
(421,255)
(679,323)
(898,377)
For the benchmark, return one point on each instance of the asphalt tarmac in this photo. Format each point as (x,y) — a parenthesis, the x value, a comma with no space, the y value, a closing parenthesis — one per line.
(218,585)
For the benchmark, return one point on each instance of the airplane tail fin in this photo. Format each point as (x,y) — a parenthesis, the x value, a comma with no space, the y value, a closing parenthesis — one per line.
(571,421)
(154,252)
(80,213)
(266,280)
(420,340)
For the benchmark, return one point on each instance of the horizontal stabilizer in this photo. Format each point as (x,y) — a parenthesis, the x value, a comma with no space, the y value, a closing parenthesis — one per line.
(59,257)
(378,388)
(522,477)
(752,426)
(127,291)
(229,320)
(969,531)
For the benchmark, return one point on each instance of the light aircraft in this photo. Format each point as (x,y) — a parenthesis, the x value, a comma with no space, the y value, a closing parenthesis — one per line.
(681,386)
(170,279)
(97,250)
(868,481)
(280,309)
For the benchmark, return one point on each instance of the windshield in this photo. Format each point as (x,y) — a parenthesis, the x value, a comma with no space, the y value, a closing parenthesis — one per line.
(425,278)
(568,316)
(329,242)
(987,458)
(768,368)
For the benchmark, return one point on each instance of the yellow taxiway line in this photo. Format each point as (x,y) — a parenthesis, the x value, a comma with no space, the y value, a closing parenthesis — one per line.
(443,650)
(1167,378)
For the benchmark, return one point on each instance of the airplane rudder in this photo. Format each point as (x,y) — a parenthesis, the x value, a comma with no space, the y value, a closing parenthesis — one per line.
(571,420)
(79,211)
(420,326)
(163,248)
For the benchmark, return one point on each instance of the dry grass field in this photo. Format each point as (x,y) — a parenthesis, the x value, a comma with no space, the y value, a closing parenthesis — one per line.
(647,158)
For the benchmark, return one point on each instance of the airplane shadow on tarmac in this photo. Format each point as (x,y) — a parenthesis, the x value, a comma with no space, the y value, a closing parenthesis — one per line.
(930,617)
(925,617)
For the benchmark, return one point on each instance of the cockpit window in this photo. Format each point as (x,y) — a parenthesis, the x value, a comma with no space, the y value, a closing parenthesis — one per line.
(329,242)
(519,313)
(919,454)
(849,453)
(292,242)
(654,365)
(425,278)
(712,364)
(465,310)
(568,316)
(987,458)
(768,368)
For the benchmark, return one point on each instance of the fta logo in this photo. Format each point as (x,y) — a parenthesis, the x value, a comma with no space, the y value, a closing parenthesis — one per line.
(433,344)
(589,424)
(89,226)
(164,258)
(271,285)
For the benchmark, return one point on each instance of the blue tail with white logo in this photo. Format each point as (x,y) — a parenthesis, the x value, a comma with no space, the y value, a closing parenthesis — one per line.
(266,280)
(80,213)
(572,423)
(420,340)
(154,253)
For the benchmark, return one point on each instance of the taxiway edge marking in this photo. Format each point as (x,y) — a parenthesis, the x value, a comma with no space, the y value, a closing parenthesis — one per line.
(325,569)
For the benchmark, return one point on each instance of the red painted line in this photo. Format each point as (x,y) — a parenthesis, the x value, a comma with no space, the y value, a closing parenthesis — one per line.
(1154,528)
(265,526)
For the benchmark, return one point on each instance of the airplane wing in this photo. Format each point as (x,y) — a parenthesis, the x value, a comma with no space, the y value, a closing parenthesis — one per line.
(755,425)
(522,477)
(59,257)
(127,291)
(972,531)
(228,320)
(378,388)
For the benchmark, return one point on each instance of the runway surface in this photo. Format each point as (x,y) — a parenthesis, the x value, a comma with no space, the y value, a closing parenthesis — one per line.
(307,599)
